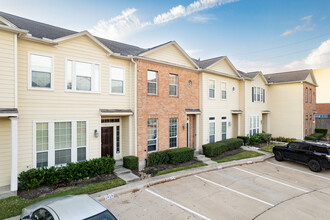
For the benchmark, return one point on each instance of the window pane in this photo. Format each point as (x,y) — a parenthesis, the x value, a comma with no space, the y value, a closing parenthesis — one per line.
(173,79)
(117,86)
(83,69)
(84,83)
(42,159)
(117,139)
(42,136)
(63,135)
(211,93)
(152,134)
(223,94)
(117,73)
(81,154)
(41,79)
(69,74)
(41,63)
(173,132)
(173,142)
(96,78)
(212,138)
(173,90)
(152,76)
(62,156)
(152,88)
(81,133)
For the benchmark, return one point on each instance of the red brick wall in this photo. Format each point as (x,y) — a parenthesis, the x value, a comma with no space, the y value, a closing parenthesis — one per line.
(162,106)
(323,108)
(309,107)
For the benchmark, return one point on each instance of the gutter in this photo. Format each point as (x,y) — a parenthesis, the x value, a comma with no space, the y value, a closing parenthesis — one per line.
(135,105)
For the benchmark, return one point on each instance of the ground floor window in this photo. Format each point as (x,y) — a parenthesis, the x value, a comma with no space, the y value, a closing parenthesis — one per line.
(55,144)
(223,128)
(212,129)
(152,134)
(254,125)
(173,132)
(306,125)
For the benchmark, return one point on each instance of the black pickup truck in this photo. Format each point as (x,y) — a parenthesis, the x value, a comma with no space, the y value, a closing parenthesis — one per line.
(315,155)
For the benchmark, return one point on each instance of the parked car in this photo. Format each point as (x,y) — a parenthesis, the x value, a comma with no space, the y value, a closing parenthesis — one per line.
(67,207)
(315,155)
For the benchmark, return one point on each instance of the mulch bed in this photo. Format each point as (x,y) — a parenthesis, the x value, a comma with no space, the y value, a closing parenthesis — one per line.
(155,169)
(227,154)
(46,190)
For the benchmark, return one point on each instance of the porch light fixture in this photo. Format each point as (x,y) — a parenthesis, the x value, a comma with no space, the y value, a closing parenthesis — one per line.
(184,126)
(96,133)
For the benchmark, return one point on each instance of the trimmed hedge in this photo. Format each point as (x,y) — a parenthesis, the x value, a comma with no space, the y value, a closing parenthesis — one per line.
(260,138)
(131,162)
(34,178)
(172,156)
(214,149)
(323,131)
(314,137)
(244,138)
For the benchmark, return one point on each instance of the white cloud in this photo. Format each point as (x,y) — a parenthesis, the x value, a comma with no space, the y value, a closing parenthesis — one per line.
(191,52)
(307,26)
(181,11)
(120,26)
(317,59)
(200,18)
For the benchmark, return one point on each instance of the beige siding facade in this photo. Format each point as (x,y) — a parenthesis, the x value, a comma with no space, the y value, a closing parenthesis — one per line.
(323,80)
(223,67)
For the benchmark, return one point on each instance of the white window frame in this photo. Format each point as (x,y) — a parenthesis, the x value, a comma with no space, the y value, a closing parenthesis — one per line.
(73,76)
(224,120)
(255,118)
(176,85)
(30,87)
(259,90)
(224,90)
(215,127)
(124,79)
(208,89)
(152,139)
(176,137)
(152,82)
(51,141)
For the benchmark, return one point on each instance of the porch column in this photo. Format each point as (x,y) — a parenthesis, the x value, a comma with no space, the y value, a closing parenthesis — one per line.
(13,183)
(197,132)
(130,135)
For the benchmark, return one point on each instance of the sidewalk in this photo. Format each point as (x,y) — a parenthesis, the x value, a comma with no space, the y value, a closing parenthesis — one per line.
(135,186)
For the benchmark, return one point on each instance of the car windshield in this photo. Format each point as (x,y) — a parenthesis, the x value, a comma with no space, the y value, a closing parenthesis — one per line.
(106,215)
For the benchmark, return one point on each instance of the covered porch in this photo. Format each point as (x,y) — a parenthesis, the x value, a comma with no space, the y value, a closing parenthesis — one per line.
(236,122)
(192,128)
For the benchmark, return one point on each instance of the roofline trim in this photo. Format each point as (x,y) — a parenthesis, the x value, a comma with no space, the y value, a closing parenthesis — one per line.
(29,37)
(13,29)
(262,75)
(298,81)
(164,62)
(220,73)
(84,33)
(166,45)
(8,23)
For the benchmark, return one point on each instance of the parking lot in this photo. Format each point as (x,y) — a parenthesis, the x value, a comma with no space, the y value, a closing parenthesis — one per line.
(266,190)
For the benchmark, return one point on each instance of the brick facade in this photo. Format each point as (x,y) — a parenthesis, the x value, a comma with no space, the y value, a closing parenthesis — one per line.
(163,107)
(323,108)
(309,108)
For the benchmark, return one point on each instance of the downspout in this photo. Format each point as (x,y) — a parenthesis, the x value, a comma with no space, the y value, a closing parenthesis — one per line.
(135,106)
(302,111)
(15,70)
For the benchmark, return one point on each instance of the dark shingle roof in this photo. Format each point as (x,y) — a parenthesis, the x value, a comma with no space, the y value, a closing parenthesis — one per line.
(249,75)
(206,63)
(41,30)
(292,76)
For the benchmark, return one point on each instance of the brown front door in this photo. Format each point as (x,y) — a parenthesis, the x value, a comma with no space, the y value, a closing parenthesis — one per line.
(107,141)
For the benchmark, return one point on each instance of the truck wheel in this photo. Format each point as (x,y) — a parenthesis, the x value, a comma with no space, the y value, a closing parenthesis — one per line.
(278,156)
(314,165)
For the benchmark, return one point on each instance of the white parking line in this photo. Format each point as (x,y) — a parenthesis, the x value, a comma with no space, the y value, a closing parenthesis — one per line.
(243,194)
(177,204)
(270,179)
(298,170)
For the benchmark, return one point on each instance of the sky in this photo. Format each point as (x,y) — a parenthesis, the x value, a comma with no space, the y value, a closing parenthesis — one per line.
(256,35)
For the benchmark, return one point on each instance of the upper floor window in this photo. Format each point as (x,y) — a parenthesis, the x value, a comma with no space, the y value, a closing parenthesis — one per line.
(173,85)
(41,68)
(82,76)
(223,91)
(258,94)
(152,82)
(306,95)
(310,95)
(117,80)
(211,89)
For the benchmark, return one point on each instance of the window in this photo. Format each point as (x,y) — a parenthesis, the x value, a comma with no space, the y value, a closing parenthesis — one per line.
(211,89)
(306,95)
(173,132)
(223,129)
(42,214)
(254,125)
(173,85)
(117,80)
(306,125)
(117,139)
(82,76)
(152,82)
(211,130)
(223,91)
(81,140)
(152,135)
(310,95)
(59,135)
(41,71)
(258,94)
(42,144)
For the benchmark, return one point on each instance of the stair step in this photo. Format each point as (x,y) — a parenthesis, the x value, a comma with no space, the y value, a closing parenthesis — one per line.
(119,163)
(129,177)
(121,170)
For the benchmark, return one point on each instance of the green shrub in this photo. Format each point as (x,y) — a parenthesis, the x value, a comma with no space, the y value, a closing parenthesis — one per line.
(131,162)
(34,178)
(244,138)
(314,137)
(180,155)
(283,139)
(310,138)
(323,131)
(156,158)
(214,149)
(260,138)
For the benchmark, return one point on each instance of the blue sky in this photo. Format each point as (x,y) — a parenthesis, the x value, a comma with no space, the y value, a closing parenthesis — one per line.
(266,35)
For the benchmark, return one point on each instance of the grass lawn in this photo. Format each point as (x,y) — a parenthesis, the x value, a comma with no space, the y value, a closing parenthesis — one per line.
(13,206)
(268,148)
(180,168)
(239,156)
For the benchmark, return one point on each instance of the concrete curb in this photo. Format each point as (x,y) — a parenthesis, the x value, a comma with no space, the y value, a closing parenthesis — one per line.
(136,186)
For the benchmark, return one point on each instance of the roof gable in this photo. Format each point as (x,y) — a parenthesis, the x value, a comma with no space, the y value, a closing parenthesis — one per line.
(293,76)
(224,66)
(170,52)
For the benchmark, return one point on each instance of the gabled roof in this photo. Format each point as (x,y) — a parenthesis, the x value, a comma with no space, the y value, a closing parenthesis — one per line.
(292,76)
(42,30)
(158,47)
(252,75)
(204,64)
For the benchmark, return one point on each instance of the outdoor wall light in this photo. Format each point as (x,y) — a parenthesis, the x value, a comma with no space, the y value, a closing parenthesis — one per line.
(96,133)
(184,126)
